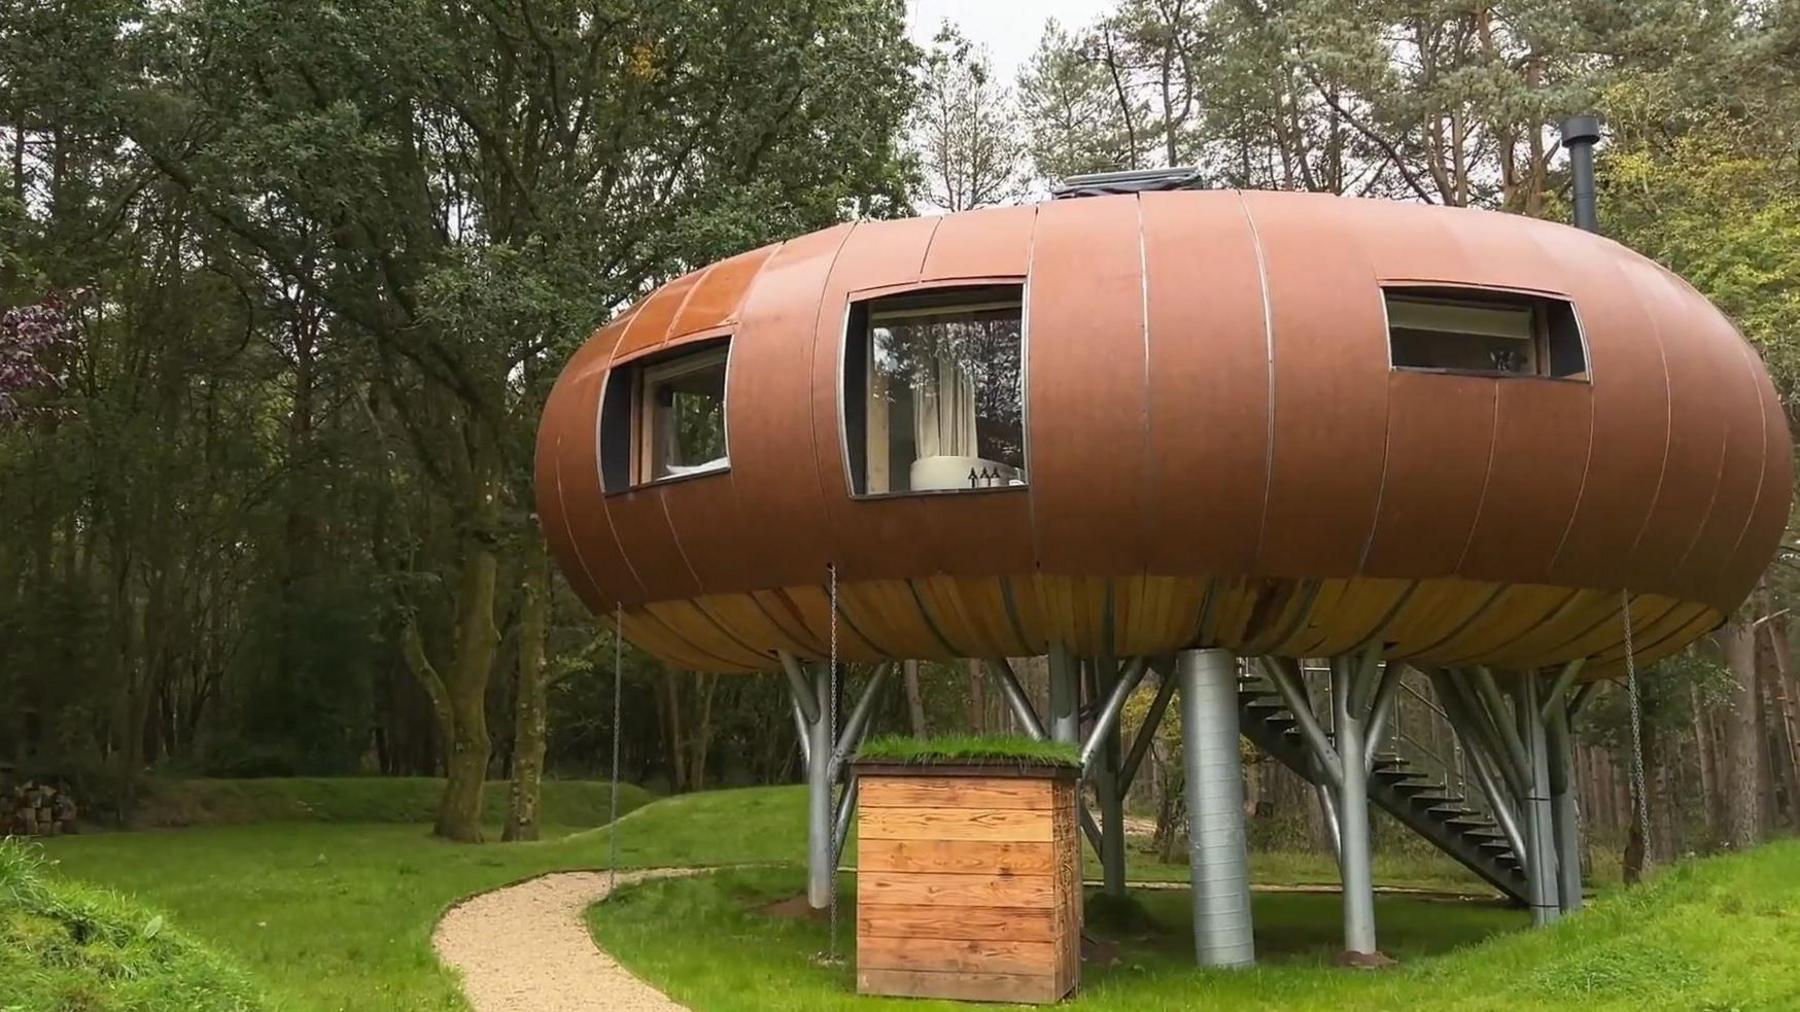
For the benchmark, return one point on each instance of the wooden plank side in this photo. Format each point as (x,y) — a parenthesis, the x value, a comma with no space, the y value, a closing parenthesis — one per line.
(997,924)
(957,857)
(960,986)
(955,792)
(961,955)
(956,824)
(1035,891)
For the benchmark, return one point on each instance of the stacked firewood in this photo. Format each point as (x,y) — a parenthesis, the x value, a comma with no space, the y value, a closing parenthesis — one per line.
(41,810)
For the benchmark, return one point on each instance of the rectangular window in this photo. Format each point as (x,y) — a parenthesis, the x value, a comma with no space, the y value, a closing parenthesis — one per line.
(934,391)
(1487,332)
(665,418)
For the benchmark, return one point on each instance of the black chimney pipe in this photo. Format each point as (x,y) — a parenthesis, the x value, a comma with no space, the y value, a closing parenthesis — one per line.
(1578,135)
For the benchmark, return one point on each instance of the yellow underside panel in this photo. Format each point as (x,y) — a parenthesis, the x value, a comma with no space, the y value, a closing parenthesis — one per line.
(1514,627)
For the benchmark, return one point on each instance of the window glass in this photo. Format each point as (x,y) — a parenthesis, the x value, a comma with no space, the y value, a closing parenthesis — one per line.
(682,417)
(1484,332)
(944,406)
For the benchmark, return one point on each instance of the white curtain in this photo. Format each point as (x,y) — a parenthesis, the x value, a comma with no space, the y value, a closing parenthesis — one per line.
(944,412)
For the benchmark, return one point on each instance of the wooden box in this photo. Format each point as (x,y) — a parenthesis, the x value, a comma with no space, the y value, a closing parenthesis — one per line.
(968,882)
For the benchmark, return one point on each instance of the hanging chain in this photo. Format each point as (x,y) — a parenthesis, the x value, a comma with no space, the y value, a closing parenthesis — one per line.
(831,756)
(1637,733)
(612,820)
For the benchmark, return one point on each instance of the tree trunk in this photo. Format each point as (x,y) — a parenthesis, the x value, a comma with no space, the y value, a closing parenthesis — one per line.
(669,693)
(1786,717)
(1709,770)
(915,700)
(459,701)
(1741,772)
(701,741)
(977,698)
(522,816)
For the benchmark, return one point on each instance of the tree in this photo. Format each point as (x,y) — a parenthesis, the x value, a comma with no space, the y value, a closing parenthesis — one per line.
(963,128)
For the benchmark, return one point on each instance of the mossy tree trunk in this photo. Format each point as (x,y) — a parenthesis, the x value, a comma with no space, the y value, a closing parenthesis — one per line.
(522,815)
(459,698)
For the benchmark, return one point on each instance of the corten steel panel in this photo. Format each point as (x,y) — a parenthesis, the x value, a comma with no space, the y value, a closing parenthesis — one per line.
(1209,384)
(1412,244)
(1740,471)
(1330,388)
(547,487)
(989,533)
(990,242)
(709,533)
(578,474)
(1534,476)
(876,537)
(648,541)
(1086,380)
(649,327)
(717,297)
(774,468)
(704,513)
(1439,433)
(1630,415)
(1701,389)
(1773,501)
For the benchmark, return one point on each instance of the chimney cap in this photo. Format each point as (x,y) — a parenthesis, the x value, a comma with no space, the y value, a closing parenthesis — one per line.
(1583,129)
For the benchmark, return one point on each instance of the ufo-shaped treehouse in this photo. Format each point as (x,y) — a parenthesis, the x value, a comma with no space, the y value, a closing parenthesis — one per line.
(1166,431)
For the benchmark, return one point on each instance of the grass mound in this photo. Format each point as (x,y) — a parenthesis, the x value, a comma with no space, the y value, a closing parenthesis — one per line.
(970,748)
(69,946)
(169,803)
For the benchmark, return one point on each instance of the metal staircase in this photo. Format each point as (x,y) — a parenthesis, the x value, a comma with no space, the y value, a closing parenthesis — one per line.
(1425,802)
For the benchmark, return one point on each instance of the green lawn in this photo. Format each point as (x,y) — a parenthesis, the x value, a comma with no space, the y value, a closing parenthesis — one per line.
(1715,934)
(332,916)
(65,945)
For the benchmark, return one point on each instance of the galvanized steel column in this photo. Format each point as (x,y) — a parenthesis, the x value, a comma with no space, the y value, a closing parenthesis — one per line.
(1540,836)
(819,865)
(1218,865)
(1563,811)
(1355,858)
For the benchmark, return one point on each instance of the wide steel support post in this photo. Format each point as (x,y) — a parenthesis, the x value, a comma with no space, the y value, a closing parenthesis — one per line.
(1540,837)
(819,864)
(1355,848)
(1563,812)
(1218,863)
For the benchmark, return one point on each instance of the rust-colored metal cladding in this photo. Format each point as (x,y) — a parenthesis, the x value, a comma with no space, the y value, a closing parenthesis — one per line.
(1138,423)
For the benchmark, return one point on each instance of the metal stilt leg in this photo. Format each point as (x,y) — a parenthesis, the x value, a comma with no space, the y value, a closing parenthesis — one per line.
(1355,857)
(1218,866)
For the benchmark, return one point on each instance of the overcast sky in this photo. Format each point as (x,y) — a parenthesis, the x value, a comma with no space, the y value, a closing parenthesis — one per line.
(1009,28)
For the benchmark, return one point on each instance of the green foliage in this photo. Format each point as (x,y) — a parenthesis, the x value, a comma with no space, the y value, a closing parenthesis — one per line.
(69,946)
(1008,749)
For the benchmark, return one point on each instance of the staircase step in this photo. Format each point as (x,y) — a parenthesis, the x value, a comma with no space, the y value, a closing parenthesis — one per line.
(1436,800)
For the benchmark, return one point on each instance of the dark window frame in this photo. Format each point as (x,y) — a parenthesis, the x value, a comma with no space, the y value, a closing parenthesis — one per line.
(853,388)
(1560,344)
(624,421)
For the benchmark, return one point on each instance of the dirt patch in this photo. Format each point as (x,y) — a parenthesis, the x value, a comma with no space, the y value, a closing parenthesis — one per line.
(794,908)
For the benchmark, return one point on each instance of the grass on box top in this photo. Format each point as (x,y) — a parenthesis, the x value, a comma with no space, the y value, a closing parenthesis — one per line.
(64,945)
(1008,749)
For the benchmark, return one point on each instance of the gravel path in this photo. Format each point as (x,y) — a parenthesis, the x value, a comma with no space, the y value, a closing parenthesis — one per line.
(526,948)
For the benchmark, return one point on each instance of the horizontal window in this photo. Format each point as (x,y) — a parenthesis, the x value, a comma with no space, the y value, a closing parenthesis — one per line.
(665,418)
(1487,332)
(934,395)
